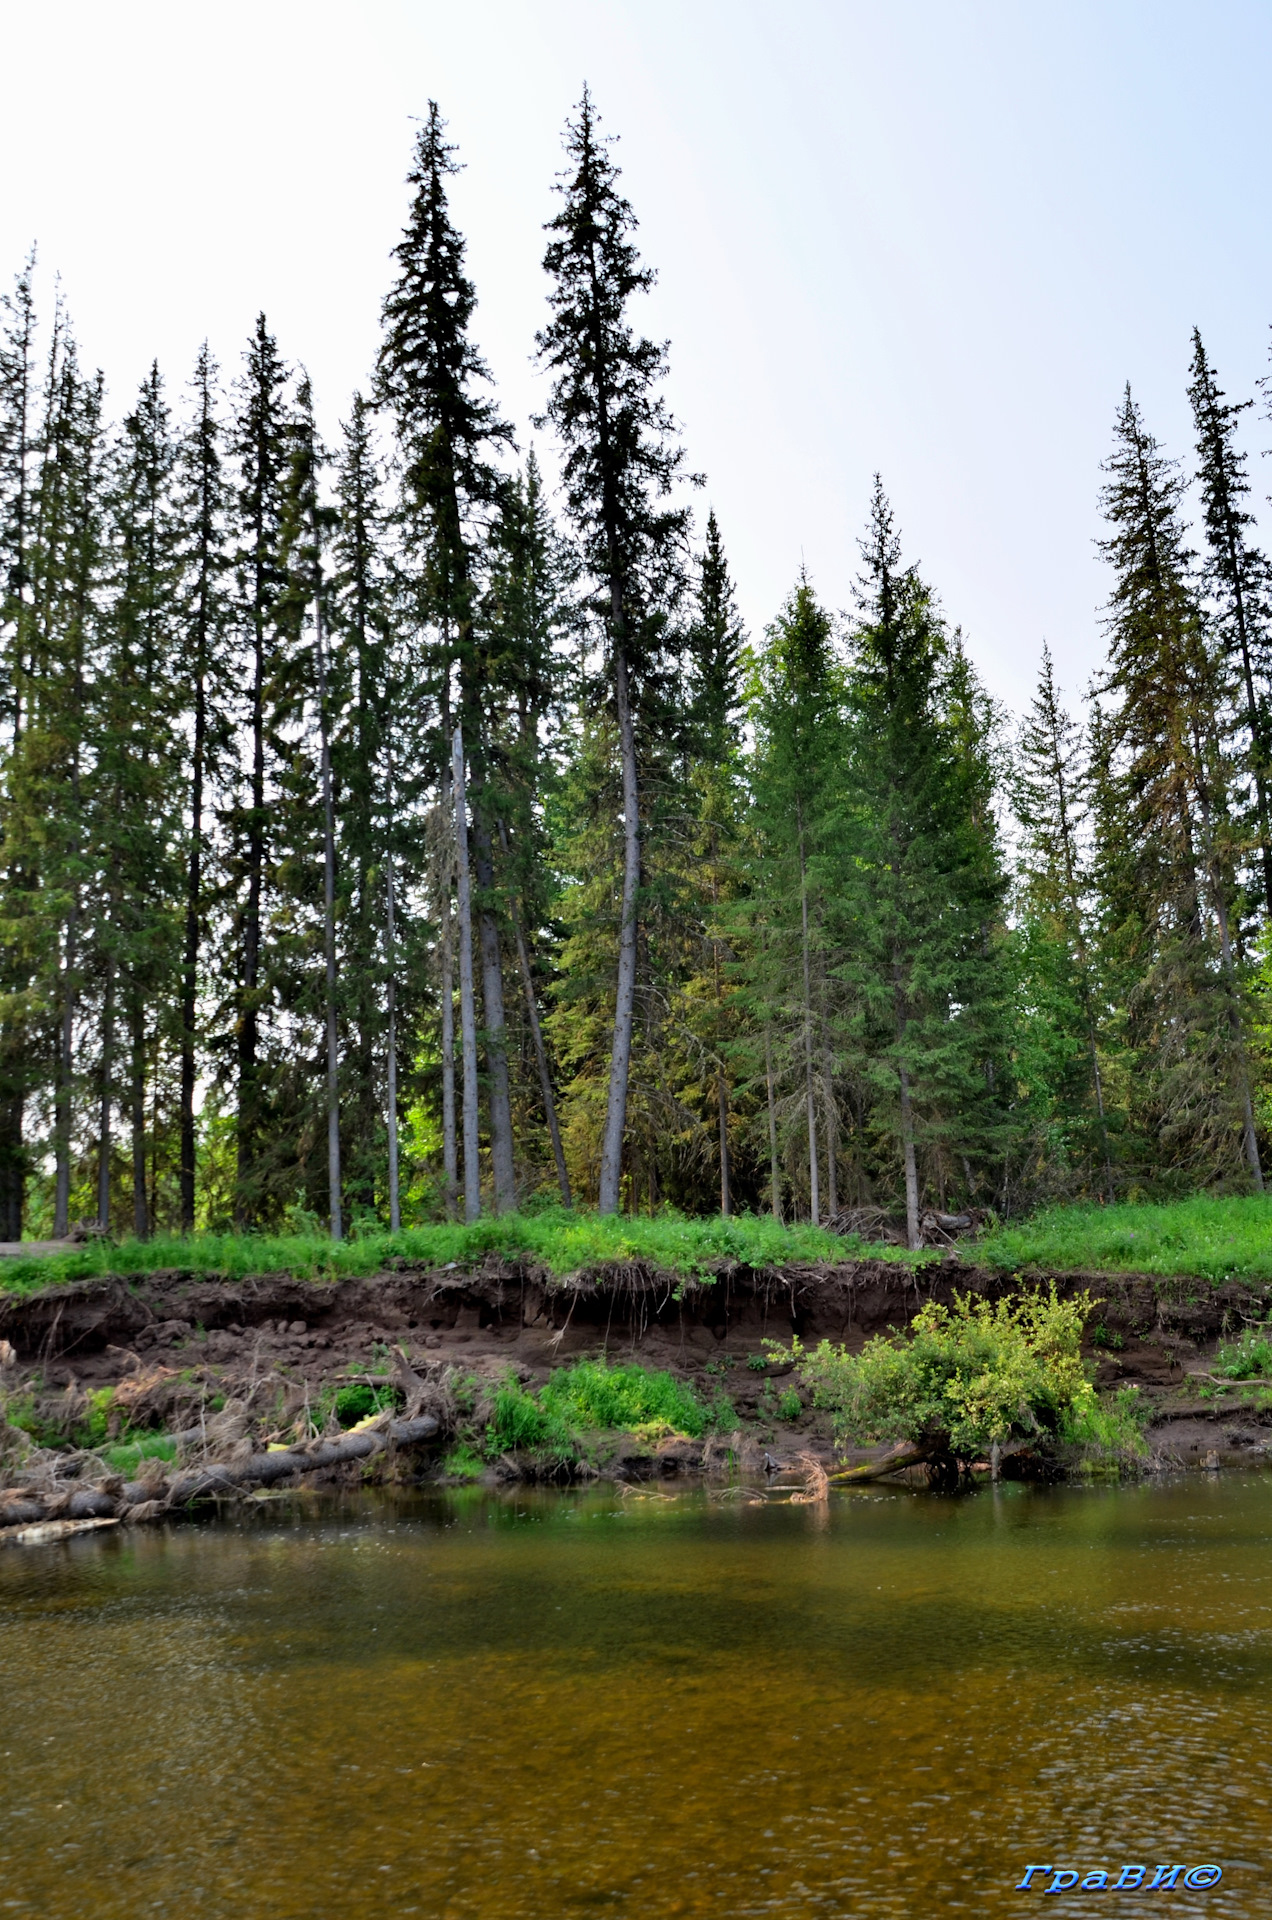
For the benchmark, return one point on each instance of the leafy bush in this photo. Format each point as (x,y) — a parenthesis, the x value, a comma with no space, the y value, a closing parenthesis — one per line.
(962,1377)
(1109,1429)
(359,1402)
(1249,1358)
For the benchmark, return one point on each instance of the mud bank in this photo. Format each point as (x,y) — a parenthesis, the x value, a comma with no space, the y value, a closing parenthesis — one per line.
(181,1350)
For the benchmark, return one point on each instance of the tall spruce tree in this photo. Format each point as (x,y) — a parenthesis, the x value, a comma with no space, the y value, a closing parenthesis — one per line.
(1236,575)
(260,446)
(1168,801)
(429,374)
(923,888)
(621,460)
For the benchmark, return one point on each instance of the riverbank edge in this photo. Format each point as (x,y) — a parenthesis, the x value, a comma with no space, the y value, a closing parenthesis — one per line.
(176,1347)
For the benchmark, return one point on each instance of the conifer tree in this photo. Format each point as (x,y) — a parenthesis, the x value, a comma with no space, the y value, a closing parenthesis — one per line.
(923,888)
(620,464)
(1236,574)
(260,446)
(203,665)
(1167,799)
(429,374)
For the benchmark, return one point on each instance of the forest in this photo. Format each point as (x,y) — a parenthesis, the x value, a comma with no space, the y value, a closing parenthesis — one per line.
(398,830)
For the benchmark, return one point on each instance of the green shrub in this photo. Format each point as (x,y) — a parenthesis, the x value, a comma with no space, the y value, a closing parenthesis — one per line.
(358,1402)
(519,1422)
(961,1377)
(1109,1429)
(1249,1358)
(790,1406)
(127,1455)
(593,1394)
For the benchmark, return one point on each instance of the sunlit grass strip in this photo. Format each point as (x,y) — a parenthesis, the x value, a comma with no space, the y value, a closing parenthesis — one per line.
(1202,1238)
(564,1242)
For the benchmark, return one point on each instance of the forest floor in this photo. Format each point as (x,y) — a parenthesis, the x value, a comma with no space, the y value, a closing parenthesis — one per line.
(115,1362)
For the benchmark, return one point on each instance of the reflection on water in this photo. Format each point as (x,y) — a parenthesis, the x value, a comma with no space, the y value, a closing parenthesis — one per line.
(575,1704)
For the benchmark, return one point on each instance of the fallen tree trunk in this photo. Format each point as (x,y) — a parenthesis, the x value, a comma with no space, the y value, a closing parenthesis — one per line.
(904,1455)
(147,1499)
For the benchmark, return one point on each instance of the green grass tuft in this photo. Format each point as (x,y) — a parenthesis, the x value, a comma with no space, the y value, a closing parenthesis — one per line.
(1204,1238)
(561,1240)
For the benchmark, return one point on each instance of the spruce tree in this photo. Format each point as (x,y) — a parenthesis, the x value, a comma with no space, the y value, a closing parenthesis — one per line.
(922,887)
(1168,800)
(203,638)
(1236,574)
(621,460)
(429,374)
(259,440)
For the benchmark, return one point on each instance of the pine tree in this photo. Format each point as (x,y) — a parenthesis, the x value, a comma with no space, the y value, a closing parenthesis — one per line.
(203,639)
(621,461)
(1049,797)
(429,375)
(1236,574)
(259,436)
(923,888)
(1168,801)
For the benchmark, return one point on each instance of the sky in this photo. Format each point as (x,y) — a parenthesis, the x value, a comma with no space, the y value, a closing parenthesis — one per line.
(930,239)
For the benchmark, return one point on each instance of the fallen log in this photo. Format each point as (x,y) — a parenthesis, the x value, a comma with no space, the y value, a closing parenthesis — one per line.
(904,1455)
(159,1494)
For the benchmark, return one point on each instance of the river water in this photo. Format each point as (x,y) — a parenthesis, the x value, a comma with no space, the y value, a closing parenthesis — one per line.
(649,1704)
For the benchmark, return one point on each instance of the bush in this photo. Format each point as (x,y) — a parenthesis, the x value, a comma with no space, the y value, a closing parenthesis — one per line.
(962,1377)
(1249,1358)
(1108,1430)
(593,1394)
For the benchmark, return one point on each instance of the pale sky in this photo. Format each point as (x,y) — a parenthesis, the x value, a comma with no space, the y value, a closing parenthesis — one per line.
(926,237)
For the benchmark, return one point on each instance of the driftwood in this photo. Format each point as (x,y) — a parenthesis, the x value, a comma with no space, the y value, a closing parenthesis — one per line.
(904,1455)
(147,1499)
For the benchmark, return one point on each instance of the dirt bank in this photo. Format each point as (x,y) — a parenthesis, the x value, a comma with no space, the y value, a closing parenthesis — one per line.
(174,1344)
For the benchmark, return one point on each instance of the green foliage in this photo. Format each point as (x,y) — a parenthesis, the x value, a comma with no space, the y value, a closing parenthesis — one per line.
(1213,1239)
(961,1377)
(358,1402)
(1108,1428)
(1249,1358)
(462,1463)
(593,1394)
(127,1455)
(789,1405)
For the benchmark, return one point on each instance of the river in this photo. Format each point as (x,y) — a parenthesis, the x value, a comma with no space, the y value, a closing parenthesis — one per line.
(647,1704)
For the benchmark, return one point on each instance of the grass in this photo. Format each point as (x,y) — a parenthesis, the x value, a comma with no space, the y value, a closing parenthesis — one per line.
(1202,1238)
(1109,1431)
(564,1242)
(590,1397)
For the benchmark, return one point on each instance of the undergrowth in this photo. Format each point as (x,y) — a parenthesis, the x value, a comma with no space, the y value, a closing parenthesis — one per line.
(564,1241)
(588,1397)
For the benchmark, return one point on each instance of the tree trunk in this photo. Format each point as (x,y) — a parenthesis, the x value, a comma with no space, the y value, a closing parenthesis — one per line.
(502,1168)
(248,1013)
(137,1110)
(65,1069)
(906,1454)
(104,1129)
(329,918)
(814,1196)
(395,1204)
(540,1050)
(625,994)
(722,1096)
(190,965)
(467,1012)
(775,1179)
(911,1168)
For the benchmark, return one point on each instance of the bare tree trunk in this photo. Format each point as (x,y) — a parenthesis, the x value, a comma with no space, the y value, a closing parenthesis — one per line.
(65,1069)
(814,1200)
(625,994)
(722,1097)
(137,1112)
(334,1214)
(248,1011)
(467,1012)
(536,1035)
(501,1160)
(775,1178)
(395,1203)
(907,1115)
(107,1069)
(1250,1140)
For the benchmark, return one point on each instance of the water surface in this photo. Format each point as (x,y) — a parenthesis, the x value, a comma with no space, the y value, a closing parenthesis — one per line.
(653,1705)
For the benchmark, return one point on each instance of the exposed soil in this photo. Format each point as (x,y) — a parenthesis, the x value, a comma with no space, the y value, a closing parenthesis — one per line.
(173,1344)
